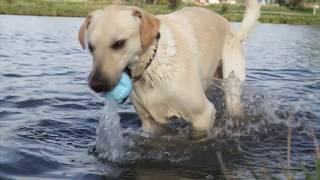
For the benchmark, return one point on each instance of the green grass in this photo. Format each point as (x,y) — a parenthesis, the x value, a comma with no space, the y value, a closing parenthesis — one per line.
(48,8)
(270,14)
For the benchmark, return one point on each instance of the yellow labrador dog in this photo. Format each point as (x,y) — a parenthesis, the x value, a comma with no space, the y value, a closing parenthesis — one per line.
(171,59)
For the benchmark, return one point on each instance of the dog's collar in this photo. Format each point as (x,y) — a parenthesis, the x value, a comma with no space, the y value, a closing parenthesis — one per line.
(150,59)
(154,51)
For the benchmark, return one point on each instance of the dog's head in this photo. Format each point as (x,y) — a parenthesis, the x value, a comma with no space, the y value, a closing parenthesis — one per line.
(116,37)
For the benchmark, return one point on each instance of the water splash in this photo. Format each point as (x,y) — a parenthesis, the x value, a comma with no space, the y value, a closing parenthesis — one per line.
(117,144)
(257,109)
(110,141)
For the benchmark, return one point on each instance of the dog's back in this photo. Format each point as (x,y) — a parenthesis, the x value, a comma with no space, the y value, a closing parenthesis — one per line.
(202,32)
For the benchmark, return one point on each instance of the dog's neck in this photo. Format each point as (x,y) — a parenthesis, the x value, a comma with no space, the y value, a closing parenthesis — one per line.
(163,68)
(145,59)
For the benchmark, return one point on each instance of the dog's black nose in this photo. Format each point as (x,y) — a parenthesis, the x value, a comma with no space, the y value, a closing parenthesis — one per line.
(98,86)
(98,83)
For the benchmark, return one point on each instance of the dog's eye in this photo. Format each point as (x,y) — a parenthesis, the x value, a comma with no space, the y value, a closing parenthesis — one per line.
(91,47)
(118,44)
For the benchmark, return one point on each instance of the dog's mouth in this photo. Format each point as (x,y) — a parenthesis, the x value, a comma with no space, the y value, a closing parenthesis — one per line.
(100,85)
(128,71)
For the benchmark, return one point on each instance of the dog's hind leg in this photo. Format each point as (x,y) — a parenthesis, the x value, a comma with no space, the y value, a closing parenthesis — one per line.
(233,61)
(233,73)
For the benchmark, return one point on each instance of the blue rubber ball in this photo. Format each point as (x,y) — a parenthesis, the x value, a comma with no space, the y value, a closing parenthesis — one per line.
(122,90)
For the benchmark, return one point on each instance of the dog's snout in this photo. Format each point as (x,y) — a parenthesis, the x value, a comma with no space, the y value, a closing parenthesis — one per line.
(98,83)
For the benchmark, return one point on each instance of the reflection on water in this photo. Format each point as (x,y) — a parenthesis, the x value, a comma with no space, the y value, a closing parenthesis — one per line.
(48,115)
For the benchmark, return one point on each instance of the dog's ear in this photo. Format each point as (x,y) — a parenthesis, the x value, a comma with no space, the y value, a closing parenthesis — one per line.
(149,27)
(82,31)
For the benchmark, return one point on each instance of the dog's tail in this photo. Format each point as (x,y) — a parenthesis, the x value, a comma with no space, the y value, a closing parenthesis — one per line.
(233,58)
(250,19)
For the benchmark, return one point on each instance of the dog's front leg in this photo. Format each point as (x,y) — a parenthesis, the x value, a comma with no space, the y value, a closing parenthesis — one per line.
(203,117)
(149,125)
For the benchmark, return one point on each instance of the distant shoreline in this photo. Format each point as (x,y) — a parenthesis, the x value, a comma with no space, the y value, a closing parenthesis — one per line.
(270,14)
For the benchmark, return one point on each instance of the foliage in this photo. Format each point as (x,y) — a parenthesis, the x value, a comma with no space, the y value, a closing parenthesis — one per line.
(224,8)
(270,14)
(296,3)
(174,4)
(10,1)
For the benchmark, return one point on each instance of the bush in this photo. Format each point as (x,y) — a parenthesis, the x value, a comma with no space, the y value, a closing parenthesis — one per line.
(174,4)
(295,3)
(224,8)
(11,1)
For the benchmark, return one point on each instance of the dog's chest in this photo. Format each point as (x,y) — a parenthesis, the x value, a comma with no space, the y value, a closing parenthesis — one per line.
(158,102)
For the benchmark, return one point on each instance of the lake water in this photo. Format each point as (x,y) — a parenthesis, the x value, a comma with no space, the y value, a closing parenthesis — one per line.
(49,116)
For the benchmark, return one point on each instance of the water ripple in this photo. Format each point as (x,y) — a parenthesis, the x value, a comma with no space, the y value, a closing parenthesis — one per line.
(33,103)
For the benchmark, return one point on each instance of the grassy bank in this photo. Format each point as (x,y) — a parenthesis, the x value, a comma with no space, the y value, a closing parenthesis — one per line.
(270,14)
